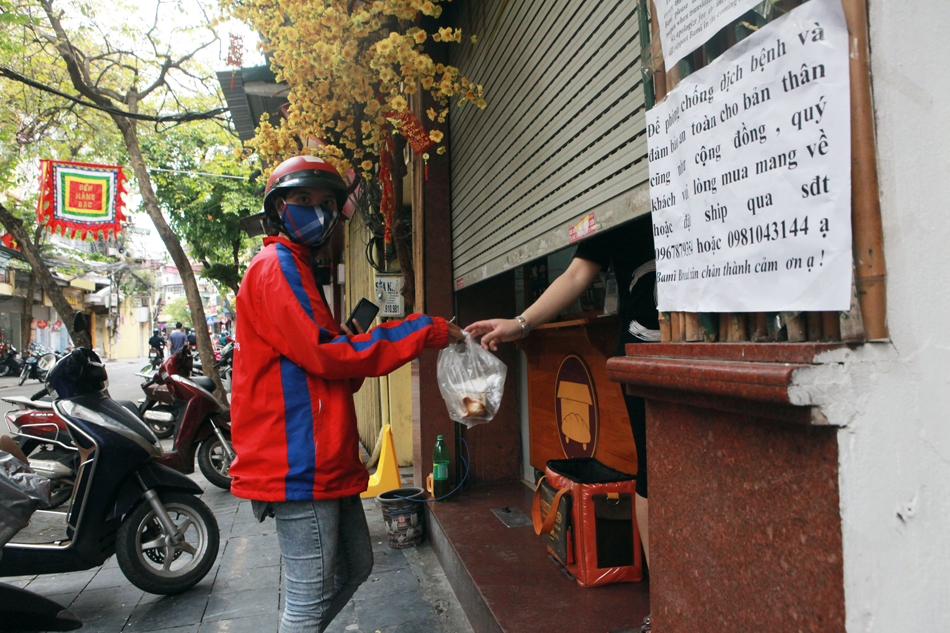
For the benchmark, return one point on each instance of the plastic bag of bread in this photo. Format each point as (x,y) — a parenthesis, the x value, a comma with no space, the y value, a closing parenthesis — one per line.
(472,382)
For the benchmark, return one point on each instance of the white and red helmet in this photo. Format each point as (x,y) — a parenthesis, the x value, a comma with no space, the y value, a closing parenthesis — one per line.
(303,171)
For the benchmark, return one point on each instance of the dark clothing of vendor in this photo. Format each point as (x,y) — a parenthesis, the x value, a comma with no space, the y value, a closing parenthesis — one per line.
(629,251)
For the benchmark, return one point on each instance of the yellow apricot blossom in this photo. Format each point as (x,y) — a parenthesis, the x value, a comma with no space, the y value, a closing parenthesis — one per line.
(347,64)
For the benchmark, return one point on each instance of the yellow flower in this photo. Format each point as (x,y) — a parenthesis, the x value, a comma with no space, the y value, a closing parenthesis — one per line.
(399,104)
(431,113)
(435,135)
(366,165)
(420,36)
(474,39)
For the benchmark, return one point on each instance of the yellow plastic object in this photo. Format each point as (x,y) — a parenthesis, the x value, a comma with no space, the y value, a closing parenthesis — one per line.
(387,470)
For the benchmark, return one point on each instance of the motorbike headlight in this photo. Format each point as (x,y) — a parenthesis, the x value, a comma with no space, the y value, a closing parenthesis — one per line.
(148,442)
(72,409)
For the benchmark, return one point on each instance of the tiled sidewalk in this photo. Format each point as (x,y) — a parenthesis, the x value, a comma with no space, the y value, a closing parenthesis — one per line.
(406,593)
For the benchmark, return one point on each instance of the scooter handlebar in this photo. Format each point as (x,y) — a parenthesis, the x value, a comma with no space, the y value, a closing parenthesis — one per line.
(39,394)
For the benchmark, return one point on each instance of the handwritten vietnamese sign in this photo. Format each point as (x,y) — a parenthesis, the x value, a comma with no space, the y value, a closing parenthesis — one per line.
(750,178)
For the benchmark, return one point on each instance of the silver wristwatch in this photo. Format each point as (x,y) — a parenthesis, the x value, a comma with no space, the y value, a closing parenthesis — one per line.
(525,328)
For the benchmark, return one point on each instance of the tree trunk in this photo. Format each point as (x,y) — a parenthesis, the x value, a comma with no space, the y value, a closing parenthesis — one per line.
(26,325)
(173,244)
(32,254)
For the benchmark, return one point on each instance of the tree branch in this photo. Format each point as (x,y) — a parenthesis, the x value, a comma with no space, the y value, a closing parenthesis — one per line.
(108,109)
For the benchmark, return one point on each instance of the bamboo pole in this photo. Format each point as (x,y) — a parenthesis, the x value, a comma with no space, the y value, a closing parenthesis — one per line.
(666,327)
(694,329)
(797,328)
(867,232)
(831,326)
(760,331)
(814,323)
(738,327)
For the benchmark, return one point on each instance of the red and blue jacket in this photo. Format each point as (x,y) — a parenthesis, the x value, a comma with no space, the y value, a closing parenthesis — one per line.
(293,422)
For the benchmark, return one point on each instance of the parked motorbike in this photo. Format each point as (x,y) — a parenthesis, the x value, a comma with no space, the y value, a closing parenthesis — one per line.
(10,365)
(200,420)
(37,366)
(124,502)
(204,432)
(157,407)
(22,492)
(42,435)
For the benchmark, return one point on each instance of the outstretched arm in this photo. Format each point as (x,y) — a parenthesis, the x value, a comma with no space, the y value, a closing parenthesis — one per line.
(561,293)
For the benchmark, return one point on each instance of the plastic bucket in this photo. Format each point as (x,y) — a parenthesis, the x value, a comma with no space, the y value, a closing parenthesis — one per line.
(404,519)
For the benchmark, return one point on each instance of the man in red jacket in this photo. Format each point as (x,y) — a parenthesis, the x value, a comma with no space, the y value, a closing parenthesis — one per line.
(293,420)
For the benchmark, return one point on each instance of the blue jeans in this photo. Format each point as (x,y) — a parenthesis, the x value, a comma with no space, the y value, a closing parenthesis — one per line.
(327,555)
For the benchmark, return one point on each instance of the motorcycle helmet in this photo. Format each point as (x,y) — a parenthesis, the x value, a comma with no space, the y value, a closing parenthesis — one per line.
(303,171)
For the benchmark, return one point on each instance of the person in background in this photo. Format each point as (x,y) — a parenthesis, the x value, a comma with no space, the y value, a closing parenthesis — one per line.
(293,421)
(177,339)
(193,338)
(223,338)
(629,250)
(157,343)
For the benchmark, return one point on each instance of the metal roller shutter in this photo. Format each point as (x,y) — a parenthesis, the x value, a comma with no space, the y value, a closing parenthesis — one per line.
(563,133)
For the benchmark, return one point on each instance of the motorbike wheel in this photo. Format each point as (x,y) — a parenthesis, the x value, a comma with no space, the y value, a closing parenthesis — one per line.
(214,462)
(24,374)
(150,563)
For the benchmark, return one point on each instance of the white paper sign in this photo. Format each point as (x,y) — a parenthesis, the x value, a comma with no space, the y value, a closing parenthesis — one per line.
(685,25)
(750,173)
(389,294)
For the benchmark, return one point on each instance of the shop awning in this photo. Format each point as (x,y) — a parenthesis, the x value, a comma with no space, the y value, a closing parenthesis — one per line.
(83,284)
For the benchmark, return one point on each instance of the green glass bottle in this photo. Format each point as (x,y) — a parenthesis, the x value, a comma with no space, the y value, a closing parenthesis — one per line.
(440,470)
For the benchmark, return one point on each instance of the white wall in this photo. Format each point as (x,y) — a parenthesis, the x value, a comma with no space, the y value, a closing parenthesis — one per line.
(895,450)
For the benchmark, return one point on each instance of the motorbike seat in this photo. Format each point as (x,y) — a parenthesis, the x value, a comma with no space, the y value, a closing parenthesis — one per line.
(45,403)
(204,382)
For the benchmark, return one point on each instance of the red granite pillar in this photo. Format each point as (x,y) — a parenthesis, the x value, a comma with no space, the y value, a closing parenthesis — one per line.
(745,525)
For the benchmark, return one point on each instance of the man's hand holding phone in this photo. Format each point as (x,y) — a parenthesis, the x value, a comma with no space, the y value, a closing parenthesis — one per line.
(360,319)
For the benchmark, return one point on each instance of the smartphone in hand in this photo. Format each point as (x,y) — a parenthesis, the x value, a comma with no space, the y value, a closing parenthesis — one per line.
(363,314)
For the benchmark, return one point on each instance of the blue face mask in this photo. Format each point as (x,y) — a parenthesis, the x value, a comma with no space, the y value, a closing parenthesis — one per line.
(307,225)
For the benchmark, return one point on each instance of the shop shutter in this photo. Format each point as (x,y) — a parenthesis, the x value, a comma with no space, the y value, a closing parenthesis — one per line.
(563,134)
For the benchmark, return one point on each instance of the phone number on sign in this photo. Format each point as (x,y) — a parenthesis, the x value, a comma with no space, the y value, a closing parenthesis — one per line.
(674,251)
(767,232)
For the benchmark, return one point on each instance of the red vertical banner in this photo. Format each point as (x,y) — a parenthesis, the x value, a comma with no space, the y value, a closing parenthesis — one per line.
(388,204)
